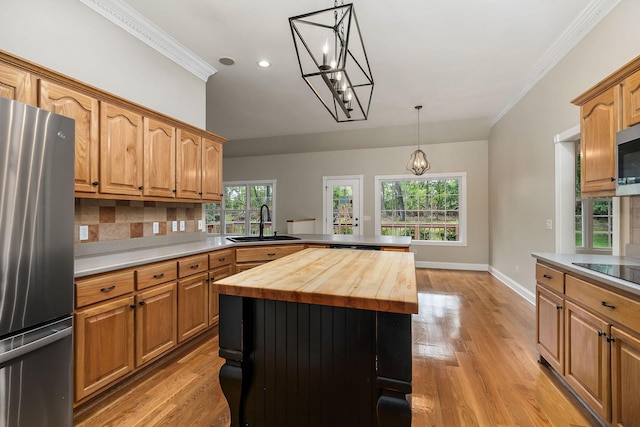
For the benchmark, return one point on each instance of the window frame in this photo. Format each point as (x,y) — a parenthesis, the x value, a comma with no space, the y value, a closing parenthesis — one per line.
(462,204)
(249,183)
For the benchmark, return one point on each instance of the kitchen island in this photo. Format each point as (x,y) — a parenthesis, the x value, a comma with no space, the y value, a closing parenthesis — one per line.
(321,337)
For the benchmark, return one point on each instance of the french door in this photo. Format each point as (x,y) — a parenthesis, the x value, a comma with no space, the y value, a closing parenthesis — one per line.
(342,203)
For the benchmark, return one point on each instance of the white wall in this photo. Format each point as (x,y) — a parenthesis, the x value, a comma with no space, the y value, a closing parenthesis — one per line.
(70,38)
(299,186)
(521,150)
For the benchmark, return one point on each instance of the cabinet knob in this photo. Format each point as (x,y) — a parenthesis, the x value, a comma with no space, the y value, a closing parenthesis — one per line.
(200,193)
(141,303)
(95,183)
(558,307)
(141,188)
(132,306)
(174,190)
(613,179)
(602,334)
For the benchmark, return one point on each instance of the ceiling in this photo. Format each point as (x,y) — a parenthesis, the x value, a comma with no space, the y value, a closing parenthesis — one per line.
(461,59)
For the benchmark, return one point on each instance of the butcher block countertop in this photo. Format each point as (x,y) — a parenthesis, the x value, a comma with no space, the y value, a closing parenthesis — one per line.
(369,280)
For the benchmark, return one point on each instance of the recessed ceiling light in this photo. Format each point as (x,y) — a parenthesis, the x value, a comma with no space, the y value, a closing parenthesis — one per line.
(225,60)
(263,63)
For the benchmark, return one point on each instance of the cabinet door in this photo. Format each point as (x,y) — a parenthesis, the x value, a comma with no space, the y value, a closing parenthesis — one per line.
(17,84)
(550,327)
(84,110)
(103,345)
(193,304)
(211,170)
(120,151)
(625,381)
(631,100)
(159,159)
(156,322)
(189,165)
(599,124)
(587,358)
(214,307)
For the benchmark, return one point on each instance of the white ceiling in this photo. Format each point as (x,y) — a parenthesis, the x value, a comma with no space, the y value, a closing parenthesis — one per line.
(461,59)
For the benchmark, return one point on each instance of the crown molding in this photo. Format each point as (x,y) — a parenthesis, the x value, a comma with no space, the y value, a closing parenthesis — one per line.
(595,11)
(127,18)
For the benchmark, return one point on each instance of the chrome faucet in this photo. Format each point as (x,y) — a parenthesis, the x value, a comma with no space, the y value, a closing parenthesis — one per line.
(261,234)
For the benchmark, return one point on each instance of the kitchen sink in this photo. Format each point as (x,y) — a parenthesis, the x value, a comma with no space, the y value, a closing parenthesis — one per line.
(244,239)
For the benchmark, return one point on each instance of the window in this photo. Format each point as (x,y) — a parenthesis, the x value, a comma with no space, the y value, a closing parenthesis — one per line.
(430,208)
(239,212)
(594,219)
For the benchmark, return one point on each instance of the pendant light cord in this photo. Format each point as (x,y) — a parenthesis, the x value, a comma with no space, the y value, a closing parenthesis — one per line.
(418,107)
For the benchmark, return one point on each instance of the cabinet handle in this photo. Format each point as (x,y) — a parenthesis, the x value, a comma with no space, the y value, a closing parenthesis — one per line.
(558,307)
(174,190)
(613,179)
(95,183)
(602,334)
(109,289)
(222,259)
(610,339)
(546,276)
(271,254)
(158,276)
(200,193)
(604,304)
(141,303)
(141,188)
(194,266)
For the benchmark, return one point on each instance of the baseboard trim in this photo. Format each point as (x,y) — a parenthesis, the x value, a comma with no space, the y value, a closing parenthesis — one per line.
(452,266)
(515,286)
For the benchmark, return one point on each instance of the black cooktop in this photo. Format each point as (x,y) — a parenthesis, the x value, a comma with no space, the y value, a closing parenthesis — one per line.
(624,272)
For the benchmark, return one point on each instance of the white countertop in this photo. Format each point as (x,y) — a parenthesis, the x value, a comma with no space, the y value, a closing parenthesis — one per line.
(102,263)
(565,261)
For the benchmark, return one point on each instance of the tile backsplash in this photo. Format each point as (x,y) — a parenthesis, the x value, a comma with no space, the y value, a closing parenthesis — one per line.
(123,219)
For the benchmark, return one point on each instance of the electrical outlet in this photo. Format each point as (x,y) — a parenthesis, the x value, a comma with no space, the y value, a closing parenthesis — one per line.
(549,224)
(174,225)
(200,224)
(83,233)
(182,226)
(156,228)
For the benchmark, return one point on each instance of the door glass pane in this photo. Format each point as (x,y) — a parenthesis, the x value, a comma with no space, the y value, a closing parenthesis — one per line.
(342,209)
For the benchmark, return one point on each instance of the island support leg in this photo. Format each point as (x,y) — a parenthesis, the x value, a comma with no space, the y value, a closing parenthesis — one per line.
(236,336)
(393,373)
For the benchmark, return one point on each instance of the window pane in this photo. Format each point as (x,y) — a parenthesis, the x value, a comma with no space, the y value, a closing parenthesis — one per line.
(602,219)
(424,209)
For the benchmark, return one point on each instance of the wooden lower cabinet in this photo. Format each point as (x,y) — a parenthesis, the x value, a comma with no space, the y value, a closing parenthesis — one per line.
(156,322)
(214,307)
(625,378)
(193,305)
(550,330)
(253,256)
(103,345)
(587,358)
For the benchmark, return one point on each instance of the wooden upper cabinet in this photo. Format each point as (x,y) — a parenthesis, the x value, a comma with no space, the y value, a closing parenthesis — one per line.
(17,84)
(189,165)
(631,100)
(121,149)
(159,159)
(84,110)
(211,169)
(599,123)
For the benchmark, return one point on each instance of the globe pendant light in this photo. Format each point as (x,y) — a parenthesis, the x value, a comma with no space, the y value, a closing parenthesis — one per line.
(418,163)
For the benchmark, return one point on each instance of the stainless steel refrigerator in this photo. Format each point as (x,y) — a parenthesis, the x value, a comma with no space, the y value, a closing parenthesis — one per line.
(36,266)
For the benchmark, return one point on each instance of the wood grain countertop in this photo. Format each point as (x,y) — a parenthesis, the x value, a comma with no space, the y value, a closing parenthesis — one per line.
(369,280)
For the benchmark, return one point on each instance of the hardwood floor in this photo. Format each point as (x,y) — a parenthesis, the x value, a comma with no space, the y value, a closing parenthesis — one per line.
(474,364)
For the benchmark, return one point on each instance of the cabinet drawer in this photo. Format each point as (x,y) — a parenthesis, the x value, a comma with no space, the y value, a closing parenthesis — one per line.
(265,253)
(154,274)
(192,265)
(220,258)
(220,273)
(549,277)
(618,308)
(100,288)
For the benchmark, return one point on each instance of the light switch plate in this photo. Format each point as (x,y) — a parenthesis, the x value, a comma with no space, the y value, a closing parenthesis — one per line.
(156,227)
(549,224)
(182,227)
(83,233)
(174,226)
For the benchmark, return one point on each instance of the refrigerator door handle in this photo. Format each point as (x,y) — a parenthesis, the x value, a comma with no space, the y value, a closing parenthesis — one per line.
(57,334)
